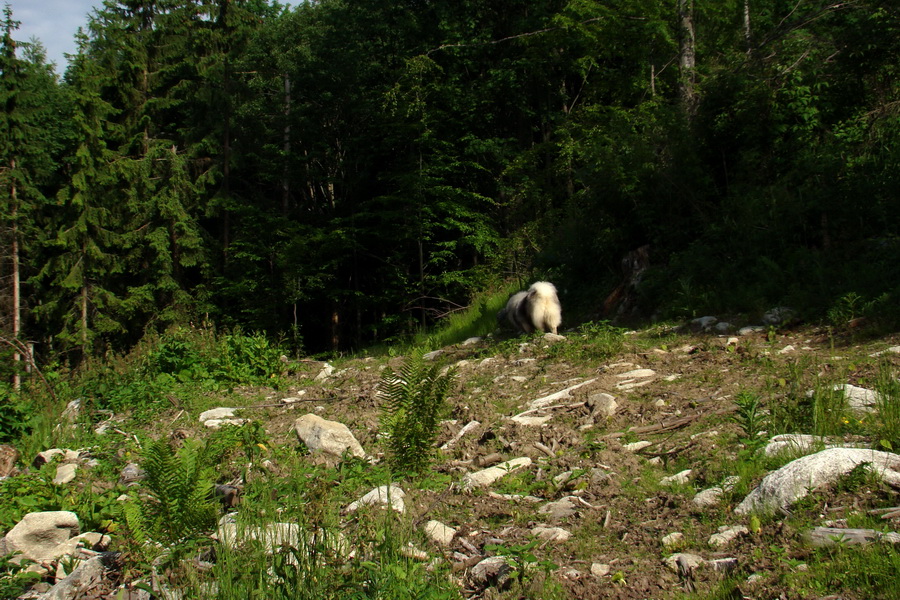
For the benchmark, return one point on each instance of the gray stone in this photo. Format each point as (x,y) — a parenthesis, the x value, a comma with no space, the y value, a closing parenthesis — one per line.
(88,575)
(780,489)
(331,437)
(726,535)
(493,571)
(38,535)
(551,534)
(65,473)
(485,477)
(779,316)
(383,495)
(602,405)
(439,533)
(677,479)
(216,413)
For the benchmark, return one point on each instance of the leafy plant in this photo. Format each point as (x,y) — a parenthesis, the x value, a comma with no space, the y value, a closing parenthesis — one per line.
(751,418)
(413,402)
(179,505)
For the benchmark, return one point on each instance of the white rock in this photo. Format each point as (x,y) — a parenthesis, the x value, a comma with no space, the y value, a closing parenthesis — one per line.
(677,479)
(38,535)
(492,571)
(726,535)
(703,323)
(488,476)
(384,495)
(787,349)
(780,489)
(796,442)
(859,398)
(778,315)
(326,436)
(470,341)
(673,539)
(551,534)
(636,446)
(686,560)
(630,385)
(325,373)
(531,420)
(439,533)
(599,569)
(65,473)
(750,330)
(604,405)
(216,413)
(712,496)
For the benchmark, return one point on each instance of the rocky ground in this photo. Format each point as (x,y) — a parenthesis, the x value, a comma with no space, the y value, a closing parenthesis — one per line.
(626,469)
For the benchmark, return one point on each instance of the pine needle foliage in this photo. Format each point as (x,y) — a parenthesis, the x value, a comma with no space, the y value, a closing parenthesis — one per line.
(179,505)
(413,401)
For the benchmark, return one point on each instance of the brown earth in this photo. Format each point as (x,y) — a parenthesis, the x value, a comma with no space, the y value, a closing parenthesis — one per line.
(685,410)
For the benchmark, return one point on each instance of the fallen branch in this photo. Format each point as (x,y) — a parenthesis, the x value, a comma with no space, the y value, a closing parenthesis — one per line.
(667,426)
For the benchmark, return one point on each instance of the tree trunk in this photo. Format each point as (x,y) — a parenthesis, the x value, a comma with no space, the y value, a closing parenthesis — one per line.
(16,284)
(687,56)
(286,148)
(747,36)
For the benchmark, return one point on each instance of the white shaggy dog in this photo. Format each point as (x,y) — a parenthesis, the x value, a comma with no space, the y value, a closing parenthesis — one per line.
(537,308)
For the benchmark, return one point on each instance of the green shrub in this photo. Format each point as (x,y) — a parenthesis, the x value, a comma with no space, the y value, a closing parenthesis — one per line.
(414,401)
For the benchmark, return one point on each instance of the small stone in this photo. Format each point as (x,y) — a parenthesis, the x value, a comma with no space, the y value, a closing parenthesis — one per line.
(488,476)
(599,569)
(726,535)
(384,495)
(65,473)
(636,446)
(216,413)
(677,479)
(551,534)
(673,539)
(439,533)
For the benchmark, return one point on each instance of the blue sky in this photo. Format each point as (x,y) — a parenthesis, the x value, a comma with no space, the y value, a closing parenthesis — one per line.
(53,22)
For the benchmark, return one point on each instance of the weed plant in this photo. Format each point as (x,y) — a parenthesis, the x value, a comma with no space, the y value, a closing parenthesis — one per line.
(413,401)
(591,342)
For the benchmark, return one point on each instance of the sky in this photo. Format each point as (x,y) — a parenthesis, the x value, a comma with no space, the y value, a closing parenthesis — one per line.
(53,22)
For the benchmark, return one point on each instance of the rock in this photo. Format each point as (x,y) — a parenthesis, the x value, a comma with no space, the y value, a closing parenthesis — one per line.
(602,405)
(65,473)
(787,349)
(551,534)
(724,327)
(553,337)
(560,395)
(530,421)
(71,412)
(131,474)
(432,355)
(87,576)
(858,398)
(493,571)
(331,437)
(325,373)
(677,479)
(385,495)
(750,330)
(724,565)
(48,456)
(216,413)
(599,569)
(488,476)
(38,535)
(832,536)
(799,443)
(684,561)
(779,316)
(726,535)
(673,539)
(712,496)
(8,458)
(780,489)
(559,509)
(636,446)
(470,341)
(439,533)
(703,323)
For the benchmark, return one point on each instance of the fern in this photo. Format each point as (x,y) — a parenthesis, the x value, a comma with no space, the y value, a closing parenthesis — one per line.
(413,402)
(179,505)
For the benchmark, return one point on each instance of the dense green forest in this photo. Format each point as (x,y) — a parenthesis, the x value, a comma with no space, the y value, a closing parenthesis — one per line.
(342,172)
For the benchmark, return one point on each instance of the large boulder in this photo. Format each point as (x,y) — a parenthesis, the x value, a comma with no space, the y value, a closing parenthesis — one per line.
(331,437)
(781,488)
(38,535)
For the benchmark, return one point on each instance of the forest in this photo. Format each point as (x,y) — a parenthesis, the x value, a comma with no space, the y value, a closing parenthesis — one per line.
(343,172)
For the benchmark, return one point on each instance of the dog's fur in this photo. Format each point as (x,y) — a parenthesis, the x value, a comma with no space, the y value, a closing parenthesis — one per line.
(536,308)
